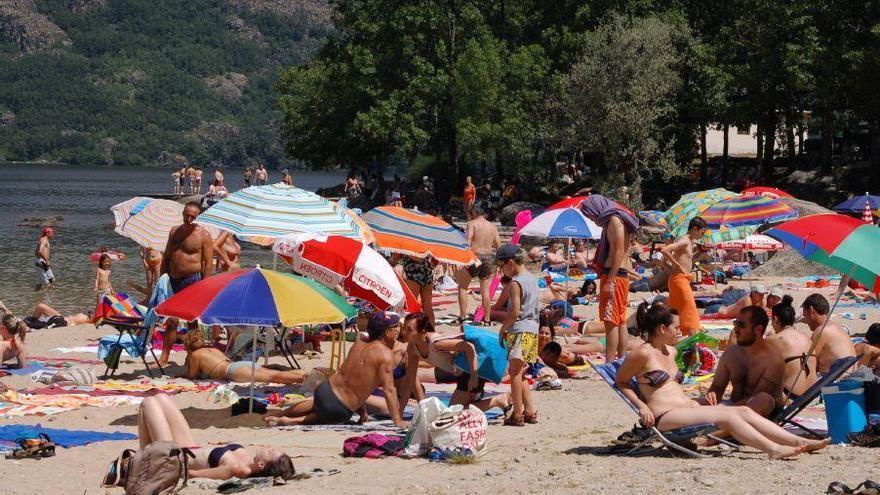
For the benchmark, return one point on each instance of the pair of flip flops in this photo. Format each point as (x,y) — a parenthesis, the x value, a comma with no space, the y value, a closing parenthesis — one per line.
(867,487)
(33,448)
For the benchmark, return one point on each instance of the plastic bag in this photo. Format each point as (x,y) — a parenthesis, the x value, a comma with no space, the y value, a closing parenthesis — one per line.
(418,438)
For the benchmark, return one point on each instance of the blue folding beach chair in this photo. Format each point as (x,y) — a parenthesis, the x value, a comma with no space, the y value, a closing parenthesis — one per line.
(835,372)
(674,440)
(110,347)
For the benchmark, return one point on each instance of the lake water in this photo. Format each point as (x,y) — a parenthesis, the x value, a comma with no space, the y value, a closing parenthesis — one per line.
(83,197)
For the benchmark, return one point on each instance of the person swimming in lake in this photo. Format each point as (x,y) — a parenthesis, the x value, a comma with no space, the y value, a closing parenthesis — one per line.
(159,420)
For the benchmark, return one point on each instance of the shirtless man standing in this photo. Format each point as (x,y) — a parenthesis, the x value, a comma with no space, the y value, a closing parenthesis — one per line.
(831,343)
(483,238)
(228,251)
(753,367)
(679,256)
(369,364)
(45,277)
(188,258)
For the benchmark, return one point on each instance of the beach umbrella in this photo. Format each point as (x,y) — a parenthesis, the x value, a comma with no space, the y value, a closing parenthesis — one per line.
(857,204)
(563,223)
(276,210)
(147,221)
(653,217)
(742,211)
(691,205)
(754,242)
(867,216)
(258,298)
(770,192)
(841,242)
(573,202)
(335,260)
(417,234)
(367,235)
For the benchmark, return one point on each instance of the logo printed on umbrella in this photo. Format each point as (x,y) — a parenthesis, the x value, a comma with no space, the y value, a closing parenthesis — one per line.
(316,273)
(570,229)
(373,285)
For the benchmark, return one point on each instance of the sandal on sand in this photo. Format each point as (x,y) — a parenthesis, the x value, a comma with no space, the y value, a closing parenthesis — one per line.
(868,487)
(530,418)
(837,487)
(514,420)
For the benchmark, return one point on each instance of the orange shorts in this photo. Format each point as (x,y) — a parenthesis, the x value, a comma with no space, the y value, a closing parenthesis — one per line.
(612,309)
(681,298)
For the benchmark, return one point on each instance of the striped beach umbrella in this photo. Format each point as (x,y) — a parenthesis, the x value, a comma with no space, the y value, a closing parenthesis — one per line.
(257,297)
(741,211)
(867,216)
(692,205)
(147,221)
(276,210)
(564,223)
(417,234)
(841,242)
(770,192)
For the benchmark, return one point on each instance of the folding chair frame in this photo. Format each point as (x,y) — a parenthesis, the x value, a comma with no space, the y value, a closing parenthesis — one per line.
(126,328)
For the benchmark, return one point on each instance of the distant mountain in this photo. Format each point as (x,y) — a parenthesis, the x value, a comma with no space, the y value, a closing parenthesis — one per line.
(152,82)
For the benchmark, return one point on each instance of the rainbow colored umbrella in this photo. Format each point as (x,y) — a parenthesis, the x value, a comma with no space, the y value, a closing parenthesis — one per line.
(257,297)
(653,217)
(841,242)
(417,234)
(693,205)
(742,211)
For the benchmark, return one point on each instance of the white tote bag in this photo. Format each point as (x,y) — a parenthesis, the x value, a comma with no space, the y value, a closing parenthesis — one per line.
(418,438)
(459,430)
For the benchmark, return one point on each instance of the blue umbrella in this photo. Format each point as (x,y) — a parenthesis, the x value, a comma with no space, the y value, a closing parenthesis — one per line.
(857,204)
(564,223)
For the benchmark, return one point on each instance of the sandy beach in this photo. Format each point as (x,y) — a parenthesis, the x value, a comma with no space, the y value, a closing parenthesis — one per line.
(566,452)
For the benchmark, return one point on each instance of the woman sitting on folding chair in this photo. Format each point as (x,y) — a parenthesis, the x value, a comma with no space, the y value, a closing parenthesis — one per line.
(206,362)
(663,404)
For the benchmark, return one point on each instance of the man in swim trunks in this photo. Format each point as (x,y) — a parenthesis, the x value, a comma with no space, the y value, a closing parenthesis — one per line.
(45,277)
(369,364)
(189,257)
(483,238)
(617,224)
(754,368)
(679,257)
(831,342)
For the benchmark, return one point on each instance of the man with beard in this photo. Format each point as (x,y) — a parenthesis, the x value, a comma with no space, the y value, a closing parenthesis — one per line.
(754,368)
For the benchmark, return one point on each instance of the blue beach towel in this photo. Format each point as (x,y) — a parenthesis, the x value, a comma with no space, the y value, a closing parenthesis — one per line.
(491,356)
(9,434)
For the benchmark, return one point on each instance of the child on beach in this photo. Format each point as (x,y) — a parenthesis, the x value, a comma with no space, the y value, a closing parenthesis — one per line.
(102,278)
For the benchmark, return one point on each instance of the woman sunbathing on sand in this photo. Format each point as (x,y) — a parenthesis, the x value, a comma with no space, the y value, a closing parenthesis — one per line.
(160,420)
(12,336)
(205,362)
(667,407)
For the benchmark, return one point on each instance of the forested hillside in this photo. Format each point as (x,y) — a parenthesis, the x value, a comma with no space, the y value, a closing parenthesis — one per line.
(153,82)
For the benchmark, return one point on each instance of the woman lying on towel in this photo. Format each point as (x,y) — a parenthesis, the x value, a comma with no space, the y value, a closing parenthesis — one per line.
(206,362)
(12,335)
(160,420)
(667,407)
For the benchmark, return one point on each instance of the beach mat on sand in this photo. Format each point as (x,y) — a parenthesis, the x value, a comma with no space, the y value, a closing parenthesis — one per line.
(61,437)
(27,370)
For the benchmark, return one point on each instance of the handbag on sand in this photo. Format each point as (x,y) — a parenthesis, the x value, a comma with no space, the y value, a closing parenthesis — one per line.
(460,430)
(160,468)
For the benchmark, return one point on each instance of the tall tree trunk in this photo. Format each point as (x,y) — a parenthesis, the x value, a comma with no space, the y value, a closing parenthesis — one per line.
(704,156)
(769,144)
(875,154)
(759,155)
(827,139)
(792,150)
(724,152)
(800,149)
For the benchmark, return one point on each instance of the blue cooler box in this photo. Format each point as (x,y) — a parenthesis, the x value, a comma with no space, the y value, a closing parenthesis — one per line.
(844,409)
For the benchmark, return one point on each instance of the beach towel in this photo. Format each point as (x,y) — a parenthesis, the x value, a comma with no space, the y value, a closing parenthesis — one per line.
(681,298)
(62,437)
(373,446)
(491,356)
(27,370)
(387,426)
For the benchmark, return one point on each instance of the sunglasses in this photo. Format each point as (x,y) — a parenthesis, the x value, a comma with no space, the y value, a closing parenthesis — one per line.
(739,323)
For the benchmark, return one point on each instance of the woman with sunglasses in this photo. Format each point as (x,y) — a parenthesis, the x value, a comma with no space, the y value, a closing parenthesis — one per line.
(662,402)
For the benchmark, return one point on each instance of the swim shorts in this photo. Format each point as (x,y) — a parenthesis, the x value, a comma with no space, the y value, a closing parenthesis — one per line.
(612,309)
(485,269)
(419,271)
(328,406)
(178,284)
(44,273)
(522,346)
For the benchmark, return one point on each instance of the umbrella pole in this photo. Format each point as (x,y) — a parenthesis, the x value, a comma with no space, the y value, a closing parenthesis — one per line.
(253,369)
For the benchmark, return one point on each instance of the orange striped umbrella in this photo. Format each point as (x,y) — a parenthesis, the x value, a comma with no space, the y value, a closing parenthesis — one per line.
(416,234)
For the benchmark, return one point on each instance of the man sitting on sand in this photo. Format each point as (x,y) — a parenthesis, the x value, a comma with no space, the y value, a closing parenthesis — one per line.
(754,368)
(369,364)
(206,362)
(831,342)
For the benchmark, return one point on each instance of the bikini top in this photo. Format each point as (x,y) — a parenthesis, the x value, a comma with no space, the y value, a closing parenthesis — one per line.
(657,378)
(217,453)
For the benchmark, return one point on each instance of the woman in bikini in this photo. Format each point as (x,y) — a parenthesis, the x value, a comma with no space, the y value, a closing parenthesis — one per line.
(160,420)
(228,253)
(800,368)
(205,362)
(663,403)
(12,335)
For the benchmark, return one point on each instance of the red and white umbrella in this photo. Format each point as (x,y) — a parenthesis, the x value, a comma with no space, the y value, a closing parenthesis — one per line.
(867,216)
(754,242)
(335,260)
